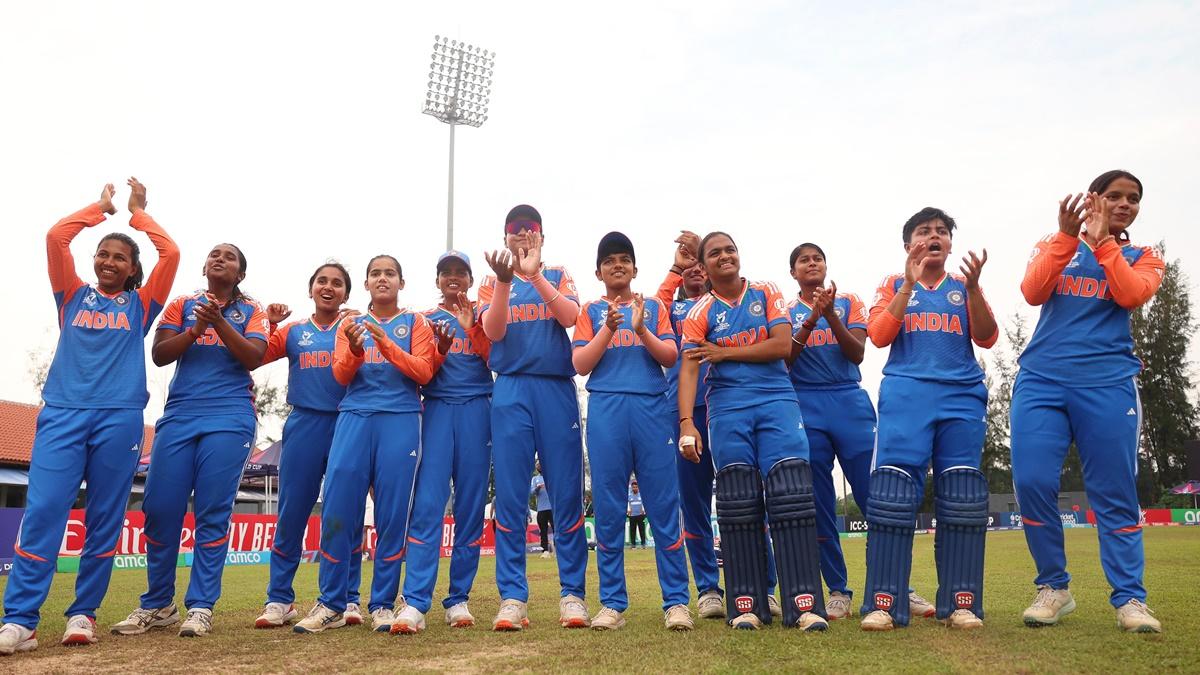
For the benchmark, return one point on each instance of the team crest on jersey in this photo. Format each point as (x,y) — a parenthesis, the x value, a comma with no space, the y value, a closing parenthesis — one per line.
(804,602)
(90,299)
(721,325)
(756,308)
(237,316)
(306,339)
(121,300)
(400,331)
(964,600)
(884,601)
(744,604)
(841,313)
(954,297)
(645,314)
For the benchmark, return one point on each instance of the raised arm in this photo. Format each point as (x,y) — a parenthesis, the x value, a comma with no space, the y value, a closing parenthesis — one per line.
(157,289)
(60,265)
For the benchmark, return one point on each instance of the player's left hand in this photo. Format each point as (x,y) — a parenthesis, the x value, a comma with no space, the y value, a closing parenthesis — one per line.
(277,312)
(376,331)
(706,352)
(137,195)
(971,268)
(529,260)
(688,245)
(462,310)
(444,334)
(638,324)
(1098,216)
(826,306)
(210,311)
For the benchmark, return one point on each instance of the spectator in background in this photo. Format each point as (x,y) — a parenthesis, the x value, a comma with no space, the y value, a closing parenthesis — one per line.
(545,518)
(637,516)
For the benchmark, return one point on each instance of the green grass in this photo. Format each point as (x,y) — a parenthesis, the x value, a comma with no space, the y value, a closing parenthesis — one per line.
(1086,641)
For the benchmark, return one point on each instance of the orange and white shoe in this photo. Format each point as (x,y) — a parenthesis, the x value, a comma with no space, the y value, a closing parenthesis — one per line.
(353,614)
(918,606)
(276,614)
(408,621)
(458,616)
(572,613)
(14,638)
(513,616)
(81,630)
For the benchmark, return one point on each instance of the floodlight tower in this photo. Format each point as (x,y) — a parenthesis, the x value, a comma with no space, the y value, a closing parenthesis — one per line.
(460,84)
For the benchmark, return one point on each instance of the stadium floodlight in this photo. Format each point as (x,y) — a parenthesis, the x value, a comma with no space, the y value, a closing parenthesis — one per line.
(460,88)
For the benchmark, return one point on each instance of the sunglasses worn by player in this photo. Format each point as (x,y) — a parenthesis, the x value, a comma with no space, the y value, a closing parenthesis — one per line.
(517,226)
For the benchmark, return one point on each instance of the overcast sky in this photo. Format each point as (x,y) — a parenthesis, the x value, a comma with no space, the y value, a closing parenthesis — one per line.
(294,130)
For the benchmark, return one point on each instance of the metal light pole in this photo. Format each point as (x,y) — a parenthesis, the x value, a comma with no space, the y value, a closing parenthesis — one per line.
(460,84)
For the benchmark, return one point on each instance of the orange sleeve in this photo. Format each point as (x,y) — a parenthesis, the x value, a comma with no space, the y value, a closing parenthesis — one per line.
(1046,264)
(857,317)
(882,327)
(424,361)
(584,330)
(158,285)
(172,316)
(695,325)
(566,286)
(663,330)
(64,281)
(776,306)
(667,289)
(1131,286)
(277,344)
(345,362)
(480,344)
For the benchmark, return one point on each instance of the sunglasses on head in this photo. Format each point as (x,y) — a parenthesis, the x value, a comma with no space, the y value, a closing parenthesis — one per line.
(516,226)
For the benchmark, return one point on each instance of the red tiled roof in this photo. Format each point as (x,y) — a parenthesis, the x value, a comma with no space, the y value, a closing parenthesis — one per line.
(18,422)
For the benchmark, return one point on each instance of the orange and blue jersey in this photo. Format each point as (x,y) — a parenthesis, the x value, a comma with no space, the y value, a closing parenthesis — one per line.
(678,310)
(1082,336)
(626,366)
(534,342)
(208,379)
(933,341)
(464,374)
(387,376)
(821,364)
(740,322)
(103,334)
(308,347)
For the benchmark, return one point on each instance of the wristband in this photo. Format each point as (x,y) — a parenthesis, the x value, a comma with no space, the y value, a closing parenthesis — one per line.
(683,419)
(809,326)
(797,341)
(676,269)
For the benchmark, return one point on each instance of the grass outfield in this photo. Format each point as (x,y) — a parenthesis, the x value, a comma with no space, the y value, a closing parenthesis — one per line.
(1086,641)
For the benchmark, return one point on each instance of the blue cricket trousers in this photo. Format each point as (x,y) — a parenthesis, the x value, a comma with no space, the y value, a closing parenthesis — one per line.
(72,445)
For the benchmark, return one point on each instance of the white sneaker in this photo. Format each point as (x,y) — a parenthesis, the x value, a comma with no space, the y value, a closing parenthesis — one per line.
(677,617)
(963,619)
(141,620)
(81,630)
(1048,607)
(747,621)
(1135,617)
(14,638)
(458,616)
(197,624)
(877,620)
(319,618)
(710,605)
(353,614)
(837,606)
(399,604)
(545,554)
(408,621)
(276,614)
(383,618)
(513,616)
(918,606)
(607,619)
(773,606)
(572,613)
